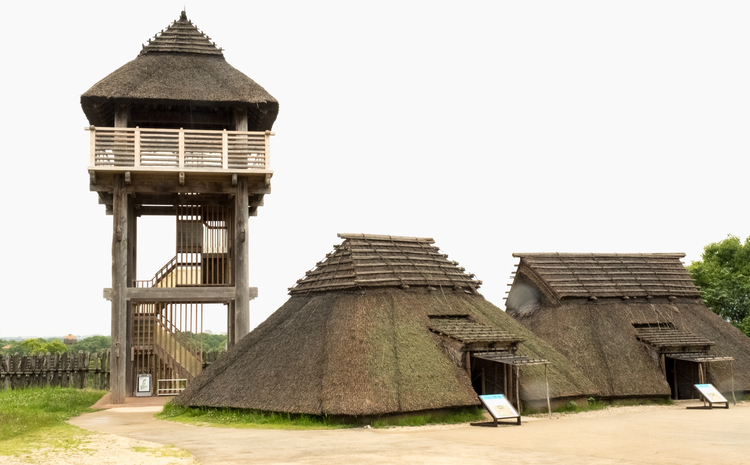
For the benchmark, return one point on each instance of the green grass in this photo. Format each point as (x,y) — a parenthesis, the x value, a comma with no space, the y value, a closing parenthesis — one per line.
(242,418)
(460,416)
(30,418)
(24,411)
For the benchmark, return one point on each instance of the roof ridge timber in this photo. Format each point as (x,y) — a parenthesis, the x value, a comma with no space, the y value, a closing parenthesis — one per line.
(182,36)
(592,275)
(370,260)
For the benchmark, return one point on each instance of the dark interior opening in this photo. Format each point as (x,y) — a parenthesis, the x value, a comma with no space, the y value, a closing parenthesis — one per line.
(687,375)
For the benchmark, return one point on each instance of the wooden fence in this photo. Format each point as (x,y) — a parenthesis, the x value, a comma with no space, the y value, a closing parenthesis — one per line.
(80,370)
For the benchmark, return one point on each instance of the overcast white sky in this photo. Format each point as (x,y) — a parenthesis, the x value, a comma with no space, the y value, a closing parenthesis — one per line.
(491,126)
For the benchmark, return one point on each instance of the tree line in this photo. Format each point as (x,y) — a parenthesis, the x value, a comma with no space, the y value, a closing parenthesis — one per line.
(209,343)
(723,276)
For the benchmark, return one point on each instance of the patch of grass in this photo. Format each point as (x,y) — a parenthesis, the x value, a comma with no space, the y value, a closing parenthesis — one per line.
(26,411)
(163,451)
(46,441)
(244,418)
(460,416)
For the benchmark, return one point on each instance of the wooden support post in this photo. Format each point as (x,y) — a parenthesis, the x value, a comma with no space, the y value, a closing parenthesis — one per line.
(676,382)
(119,284)
(467,363)
(546,383)
(518,392)
(242,268)
(483,386)
(230,324)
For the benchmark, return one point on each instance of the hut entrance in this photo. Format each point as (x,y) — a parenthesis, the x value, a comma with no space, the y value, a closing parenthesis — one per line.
(485,367)
(684,370)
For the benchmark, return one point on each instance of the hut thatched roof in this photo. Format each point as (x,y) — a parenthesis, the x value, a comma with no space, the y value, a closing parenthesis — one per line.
(371,349)
(180,66)
(612,314)
(367,260)
(611,275)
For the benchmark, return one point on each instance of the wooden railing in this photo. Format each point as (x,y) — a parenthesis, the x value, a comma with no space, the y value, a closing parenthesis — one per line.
(179,149)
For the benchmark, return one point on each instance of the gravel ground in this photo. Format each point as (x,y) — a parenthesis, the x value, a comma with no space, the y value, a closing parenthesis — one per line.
(102,448)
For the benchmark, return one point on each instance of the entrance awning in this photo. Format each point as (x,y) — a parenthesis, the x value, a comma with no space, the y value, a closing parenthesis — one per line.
(693,357)
(517,361)
(509,359)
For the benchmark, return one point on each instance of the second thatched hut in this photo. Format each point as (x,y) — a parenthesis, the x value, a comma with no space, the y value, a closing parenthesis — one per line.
(634,324)
(384,325)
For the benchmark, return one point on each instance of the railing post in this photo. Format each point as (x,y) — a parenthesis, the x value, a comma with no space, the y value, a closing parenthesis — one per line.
(224,149)
(267,157)
(181,148)
(137,147)
(92,153)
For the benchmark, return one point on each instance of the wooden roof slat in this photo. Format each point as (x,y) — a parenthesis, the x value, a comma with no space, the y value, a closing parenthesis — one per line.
(373,261)
(612,275)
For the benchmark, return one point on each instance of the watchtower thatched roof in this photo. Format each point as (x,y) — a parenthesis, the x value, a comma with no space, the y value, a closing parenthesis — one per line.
(180,66)
(347,343)
(615,315)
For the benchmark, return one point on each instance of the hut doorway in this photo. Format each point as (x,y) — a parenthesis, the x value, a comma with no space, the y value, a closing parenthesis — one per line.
(488,377)
(684,370)
(681,376)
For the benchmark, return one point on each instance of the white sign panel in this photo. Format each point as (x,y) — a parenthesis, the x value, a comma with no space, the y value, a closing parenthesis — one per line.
(498,406)
(710,393)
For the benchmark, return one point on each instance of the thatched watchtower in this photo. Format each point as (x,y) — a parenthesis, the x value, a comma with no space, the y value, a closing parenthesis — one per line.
(634,324)
(178,132)
(383,325)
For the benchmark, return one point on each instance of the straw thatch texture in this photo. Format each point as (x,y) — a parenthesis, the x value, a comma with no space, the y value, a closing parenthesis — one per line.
(365,353)
(367,260)
(611,275)
(367,348)
(180,67)
(608,338)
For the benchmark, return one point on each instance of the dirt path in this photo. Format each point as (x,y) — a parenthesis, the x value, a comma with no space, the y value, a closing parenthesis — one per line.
(653,435)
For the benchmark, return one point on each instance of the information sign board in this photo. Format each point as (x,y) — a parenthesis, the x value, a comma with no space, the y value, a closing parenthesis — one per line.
(498,406)
(710,393)
(144,386)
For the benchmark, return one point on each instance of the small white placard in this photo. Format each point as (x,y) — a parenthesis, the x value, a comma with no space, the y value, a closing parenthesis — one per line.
(498,406)
(710,393)
(144,386)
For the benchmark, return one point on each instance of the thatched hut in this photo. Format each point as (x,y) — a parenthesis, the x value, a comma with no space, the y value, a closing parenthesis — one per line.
(634,324)
(383,325)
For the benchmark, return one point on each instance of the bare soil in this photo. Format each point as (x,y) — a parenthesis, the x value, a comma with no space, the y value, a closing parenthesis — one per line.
(618,435)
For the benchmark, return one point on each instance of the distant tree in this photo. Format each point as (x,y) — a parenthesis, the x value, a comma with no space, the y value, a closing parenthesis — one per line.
(92,344)
(54,347)
(724,279)
(41,346)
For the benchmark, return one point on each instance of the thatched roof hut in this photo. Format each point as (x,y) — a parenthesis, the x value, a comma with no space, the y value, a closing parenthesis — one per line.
(180,71)
(381,326)
(634,324)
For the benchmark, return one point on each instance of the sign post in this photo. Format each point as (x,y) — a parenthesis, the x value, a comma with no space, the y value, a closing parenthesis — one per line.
(500,408)
(710,395)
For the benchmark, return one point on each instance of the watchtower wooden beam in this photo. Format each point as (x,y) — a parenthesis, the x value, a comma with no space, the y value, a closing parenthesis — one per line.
(242,270)
(120,235)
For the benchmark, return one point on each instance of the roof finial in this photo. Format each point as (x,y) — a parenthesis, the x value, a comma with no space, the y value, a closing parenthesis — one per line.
(183,16)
